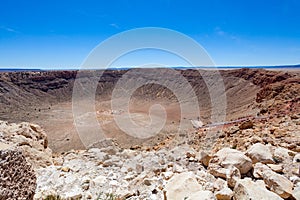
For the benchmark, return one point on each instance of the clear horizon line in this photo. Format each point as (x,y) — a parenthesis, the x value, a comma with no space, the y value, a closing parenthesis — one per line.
(169,66)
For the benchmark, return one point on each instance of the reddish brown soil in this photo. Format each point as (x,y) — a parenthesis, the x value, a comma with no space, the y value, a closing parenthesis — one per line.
(45,98)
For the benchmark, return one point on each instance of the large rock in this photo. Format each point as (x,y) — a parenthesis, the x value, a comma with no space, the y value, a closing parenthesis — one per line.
(276,182)
(226,158)
(260,153)
(246,189)
(31,139)
(182,186)
(296,193)
(17,179)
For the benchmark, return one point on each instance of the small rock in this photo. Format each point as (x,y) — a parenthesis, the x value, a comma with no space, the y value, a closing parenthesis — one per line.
(232,130)
(65,169)
(260,153)
(197,123)
(295,116)
(203,157)
(139,168)
(147,182)
(85,186)
(167,175)
(177,169)
(276,182)
(58,161)
(276,168)
(73,196)
(255,139)
(232,176)
(224,194)
(181,186)
(108,163)
(190,155)
(282,155)
(246,189)
(114,183)
(226,158)
(99,180)
(129,177)
(220,184)
(246,125)
(111,150)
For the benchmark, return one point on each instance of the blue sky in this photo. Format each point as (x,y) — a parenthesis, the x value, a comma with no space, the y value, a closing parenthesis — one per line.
(60,34)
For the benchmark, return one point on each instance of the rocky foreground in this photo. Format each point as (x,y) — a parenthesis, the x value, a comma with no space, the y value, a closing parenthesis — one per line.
(257,158)
(263,170)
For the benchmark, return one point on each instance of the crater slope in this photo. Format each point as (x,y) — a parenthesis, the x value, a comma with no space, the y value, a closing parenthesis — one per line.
(45,98)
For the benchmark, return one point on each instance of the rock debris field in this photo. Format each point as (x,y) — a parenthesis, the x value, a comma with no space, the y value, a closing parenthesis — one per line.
(262,171)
